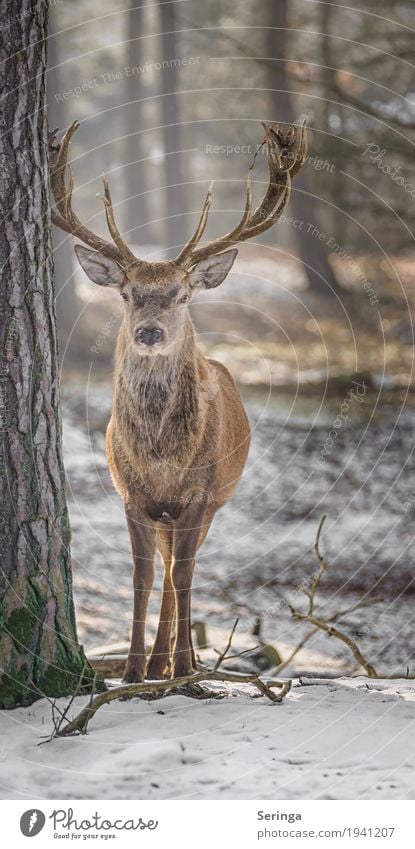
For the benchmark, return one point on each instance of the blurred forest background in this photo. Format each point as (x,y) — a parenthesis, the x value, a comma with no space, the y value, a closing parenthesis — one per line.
(170,97)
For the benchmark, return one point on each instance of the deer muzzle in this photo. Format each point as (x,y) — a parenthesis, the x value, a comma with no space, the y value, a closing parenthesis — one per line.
(149,336)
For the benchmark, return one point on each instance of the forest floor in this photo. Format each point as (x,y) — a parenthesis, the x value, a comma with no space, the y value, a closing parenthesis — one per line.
(342,739)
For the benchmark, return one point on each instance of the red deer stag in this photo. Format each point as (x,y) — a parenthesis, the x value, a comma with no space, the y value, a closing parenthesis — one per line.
(178,437)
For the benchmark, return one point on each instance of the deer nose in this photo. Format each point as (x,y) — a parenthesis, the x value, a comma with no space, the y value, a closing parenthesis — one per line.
(149,336)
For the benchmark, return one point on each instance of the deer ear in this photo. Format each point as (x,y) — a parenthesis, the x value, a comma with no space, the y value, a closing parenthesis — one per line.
(210,272)
(100,269)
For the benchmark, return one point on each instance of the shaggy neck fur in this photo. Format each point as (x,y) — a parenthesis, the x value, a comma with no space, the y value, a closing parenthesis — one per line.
(156,403)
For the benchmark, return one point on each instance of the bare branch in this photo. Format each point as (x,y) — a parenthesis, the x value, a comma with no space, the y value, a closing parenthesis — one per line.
(334,632)
(80,723)
(326,624)
(228,645)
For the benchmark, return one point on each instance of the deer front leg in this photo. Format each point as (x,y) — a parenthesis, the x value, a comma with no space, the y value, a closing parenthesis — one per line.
(159,662)
(187,534)
(143,549)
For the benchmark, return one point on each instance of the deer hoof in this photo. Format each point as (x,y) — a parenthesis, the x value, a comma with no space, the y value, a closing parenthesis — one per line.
(157,672)
(132,676)
(181,669)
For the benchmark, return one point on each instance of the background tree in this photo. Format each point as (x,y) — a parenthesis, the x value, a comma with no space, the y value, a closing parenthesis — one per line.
(137,213)
(173,159)
(38,642)
(304,201)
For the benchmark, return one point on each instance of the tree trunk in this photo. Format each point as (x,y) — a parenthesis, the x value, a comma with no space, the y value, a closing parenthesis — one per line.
(138,206)
(319,273)
(38,643)
(173,160)
(67,302)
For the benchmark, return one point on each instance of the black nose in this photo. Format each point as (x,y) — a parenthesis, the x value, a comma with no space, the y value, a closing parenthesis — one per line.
(149,335)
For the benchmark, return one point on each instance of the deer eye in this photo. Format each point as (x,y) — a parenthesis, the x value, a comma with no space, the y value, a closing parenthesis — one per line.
(184,299)
(124,296)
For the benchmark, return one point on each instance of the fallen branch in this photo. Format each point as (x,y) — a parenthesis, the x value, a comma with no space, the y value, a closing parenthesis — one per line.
(326,624)
(127,691)
(80,724)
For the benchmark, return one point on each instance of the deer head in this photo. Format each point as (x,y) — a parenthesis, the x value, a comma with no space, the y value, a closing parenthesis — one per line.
(156,294)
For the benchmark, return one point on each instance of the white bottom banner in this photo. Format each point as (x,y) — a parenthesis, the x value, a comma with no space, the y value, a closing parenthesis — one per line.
(188,824)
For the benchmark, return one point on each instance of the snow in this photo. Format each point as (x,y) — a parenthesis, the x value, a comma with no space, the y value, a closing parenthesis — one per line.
(334,737)
(330,739)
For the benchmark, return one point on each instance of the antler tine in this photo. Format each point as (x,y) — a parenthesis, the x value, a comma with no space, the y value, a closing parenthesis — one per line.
(230,237)
(287,150)
(186,252)
(112,227)
(248,208)
(64,216)
(301,151)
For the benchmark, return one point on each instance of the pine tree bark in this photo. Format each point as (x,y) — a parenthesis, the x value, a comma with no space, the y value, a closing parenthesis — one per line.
(68,305)
(39,651)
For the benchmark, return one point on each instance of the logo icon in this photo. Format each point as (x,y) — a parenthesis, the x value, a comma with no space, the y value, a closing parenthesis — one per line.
(32,822)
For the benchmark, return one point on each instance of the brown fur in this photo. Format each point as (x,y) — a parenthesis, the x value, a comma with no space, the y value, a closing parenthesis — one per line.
(177,444)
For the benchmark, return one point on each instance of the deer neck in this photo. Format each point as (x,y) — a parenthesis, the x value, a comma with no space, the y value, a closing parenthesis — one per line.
(157,398)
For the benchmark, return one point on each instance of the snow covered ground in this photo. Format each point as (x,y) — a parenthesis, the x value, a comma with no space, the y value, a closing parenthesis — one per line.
(337,739)
(333,737)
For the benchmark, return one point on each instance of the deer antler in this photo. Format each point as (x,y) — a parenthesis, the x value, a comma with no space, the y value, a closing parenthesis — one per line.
(65,218)
(287,150)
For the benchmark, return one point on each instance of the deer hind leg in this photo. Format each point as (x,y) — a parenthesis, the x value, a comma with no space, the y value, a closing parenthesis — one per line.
(159,662)
(143,549)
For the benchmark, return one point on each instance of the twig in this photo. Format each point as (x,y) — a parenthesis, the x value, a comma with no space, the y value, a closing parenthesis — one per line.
(297,649)
(334,632)
(321,568)
(240,653)
(222,656)
(326,624)
(334,618)
(57,724)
